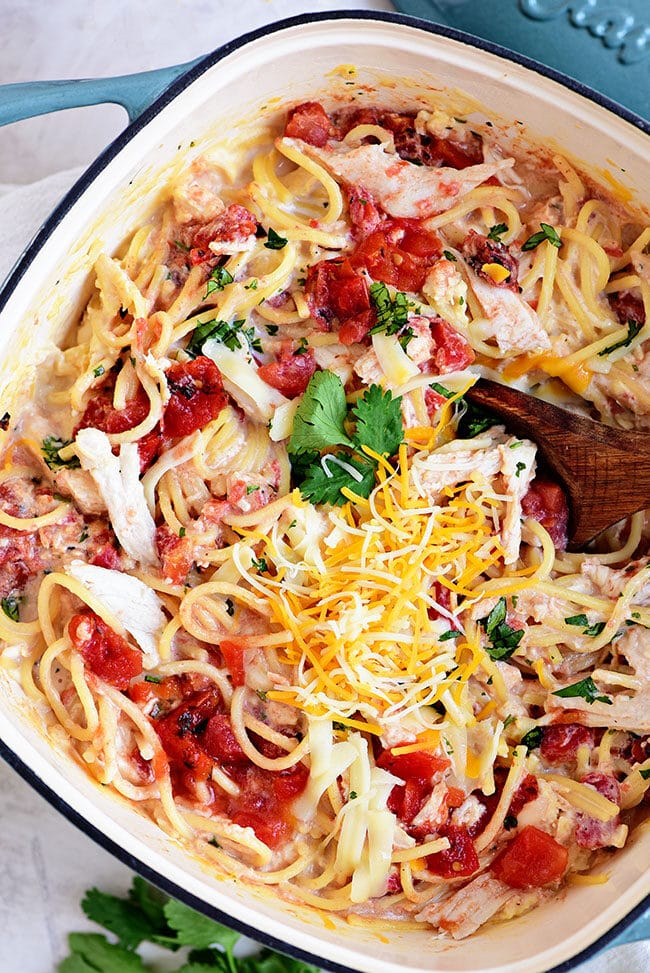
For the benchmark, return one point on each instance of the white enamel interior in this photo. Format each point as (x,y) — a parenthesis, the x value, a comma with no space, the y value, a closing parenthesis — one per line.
(294,64)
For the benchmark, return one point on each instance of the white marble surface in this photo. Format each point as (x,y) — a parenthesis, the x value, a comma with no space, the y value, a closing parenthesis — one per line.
(45,863)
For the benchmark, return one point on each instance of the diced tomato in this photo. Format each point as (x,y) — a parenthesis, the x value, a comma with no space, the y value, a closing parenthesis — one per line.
(100,413)
(197,396)
(627,307)
(290,374)
(289,784)
(189,762)
(107,557)
(406,800)
(105,652)
(176,554)
(453,352)
(546,503)
(235,225)
(433,400)
(560,741)
(232,651)
(364,215)
(334,290)
(356,329)
(393,882)
(479,250)
(460,859)
(400,252)
(455,797)
(590,832)
(421,765)
(531,860)
(526,792)
(220,741)
(309,122)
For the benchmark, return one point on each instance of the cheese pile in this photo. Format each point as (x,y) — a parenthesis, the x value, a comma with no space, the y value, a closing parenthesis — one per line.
(372,626)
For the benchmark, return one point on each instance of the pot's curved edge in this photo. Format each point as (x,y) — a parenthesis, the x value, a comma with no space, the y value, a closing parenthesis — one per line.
(21,267)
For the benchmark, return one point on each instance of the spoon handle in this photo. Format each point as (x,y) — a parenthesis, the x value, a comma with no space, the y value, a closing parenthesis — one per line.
(605,471)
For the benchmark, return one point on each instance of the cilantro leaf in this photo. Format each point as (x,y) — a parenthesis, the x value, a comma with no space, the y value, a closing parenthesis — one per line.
(217,280)
(231,335)
(633,328)
(199,931)
(11,607)
(319,419)
(269,962)
(581,620)
(547,232)
(50,449)
(474,421)
(379,421)
(502,637)
(497,231)
(320,486)
(99,956)
(274,241)
(645,773)
(586,688)
(449,634)
(131,926)
(150,901)
(392,312)
(441,390)
(533,738)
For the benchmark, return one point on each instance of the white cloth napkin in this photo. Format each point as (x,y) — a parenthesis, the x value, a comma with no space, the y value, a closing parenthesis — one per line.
(22,210)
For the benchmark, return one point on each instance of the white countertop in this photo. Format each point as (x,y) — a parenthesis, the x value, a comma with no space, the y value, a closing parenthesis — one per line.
(46,864)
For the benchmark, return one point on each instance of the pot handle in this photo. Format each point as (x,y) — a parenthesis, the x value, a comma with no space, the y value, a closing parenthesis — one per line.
(637,930)
(134,92)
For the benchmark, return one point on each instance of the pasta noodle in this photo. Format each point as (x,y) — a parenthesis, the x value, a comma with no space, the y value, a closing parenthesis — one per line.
(272,578)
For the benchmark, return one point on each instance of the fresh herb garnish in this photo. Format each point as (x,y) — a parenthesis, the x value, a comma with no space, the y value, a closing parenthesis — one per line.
(260,565)
(217,280)
(275,241)
(583,622)
(181,531)
(150,916)
(448,255)
(547,232)
(99,371)
(586,689)
(11,607)
(182,246)
(392,312)
(497,231)
(50,449)
(450,634)
(503,639)
(271,329)
(508,721)
(231,335)
(83,536)
(303,347)
(320,423)
(533,738)
(520,468)
(352,796)
(633,328)
(645,773)
(441,390)
(153,679)
(474,421)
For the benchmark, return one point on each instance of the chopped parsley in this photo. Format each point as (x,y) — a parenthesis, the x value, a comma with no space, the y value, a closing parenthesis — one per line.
(533,738)
(217,280)
(633,328)
(260,565)
(302,348)
(353,796)
(99,371)
(252,286)
(181,532)
(448,255)
(83,536)
(508,721)
(51,447)
(473,421)
(11,607)
(261,694)
(271,329)
(586,689)
(497,231)
(645,773)
(547,232)
(251,489)
(503,639)
(441,390)
(323,421)
(153,679)
(450,634)
(275,241)
(520,468)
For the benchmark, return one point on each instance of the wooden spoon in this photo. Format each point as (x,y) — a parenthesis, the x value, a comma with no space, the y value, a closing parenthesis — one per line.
(604,471)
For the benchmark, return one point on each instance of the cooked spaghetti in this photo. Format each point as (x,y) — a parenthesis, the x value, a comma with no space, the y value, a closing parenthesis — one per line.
(272,580)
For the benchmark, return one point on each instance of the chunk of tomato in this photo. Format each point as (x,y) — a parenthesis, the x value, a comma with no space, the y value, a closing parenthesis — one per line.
(452,352)
(560,741)
(457,861)
(197,396)
(105,652)
(309,122)
(546,503)
(420,765)
(290,374)
(531,860)
(232,651)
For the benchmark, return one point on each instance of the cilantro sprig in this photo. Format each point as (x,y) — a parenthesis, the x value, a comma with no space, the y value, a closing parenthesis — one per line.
(502,638)
(324,421)
(583,622)
(149,916)
(497,231)
(546,232)
(233,336)
(392,313)
(218,279)
(633,328)
(51,447)
(586,689)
